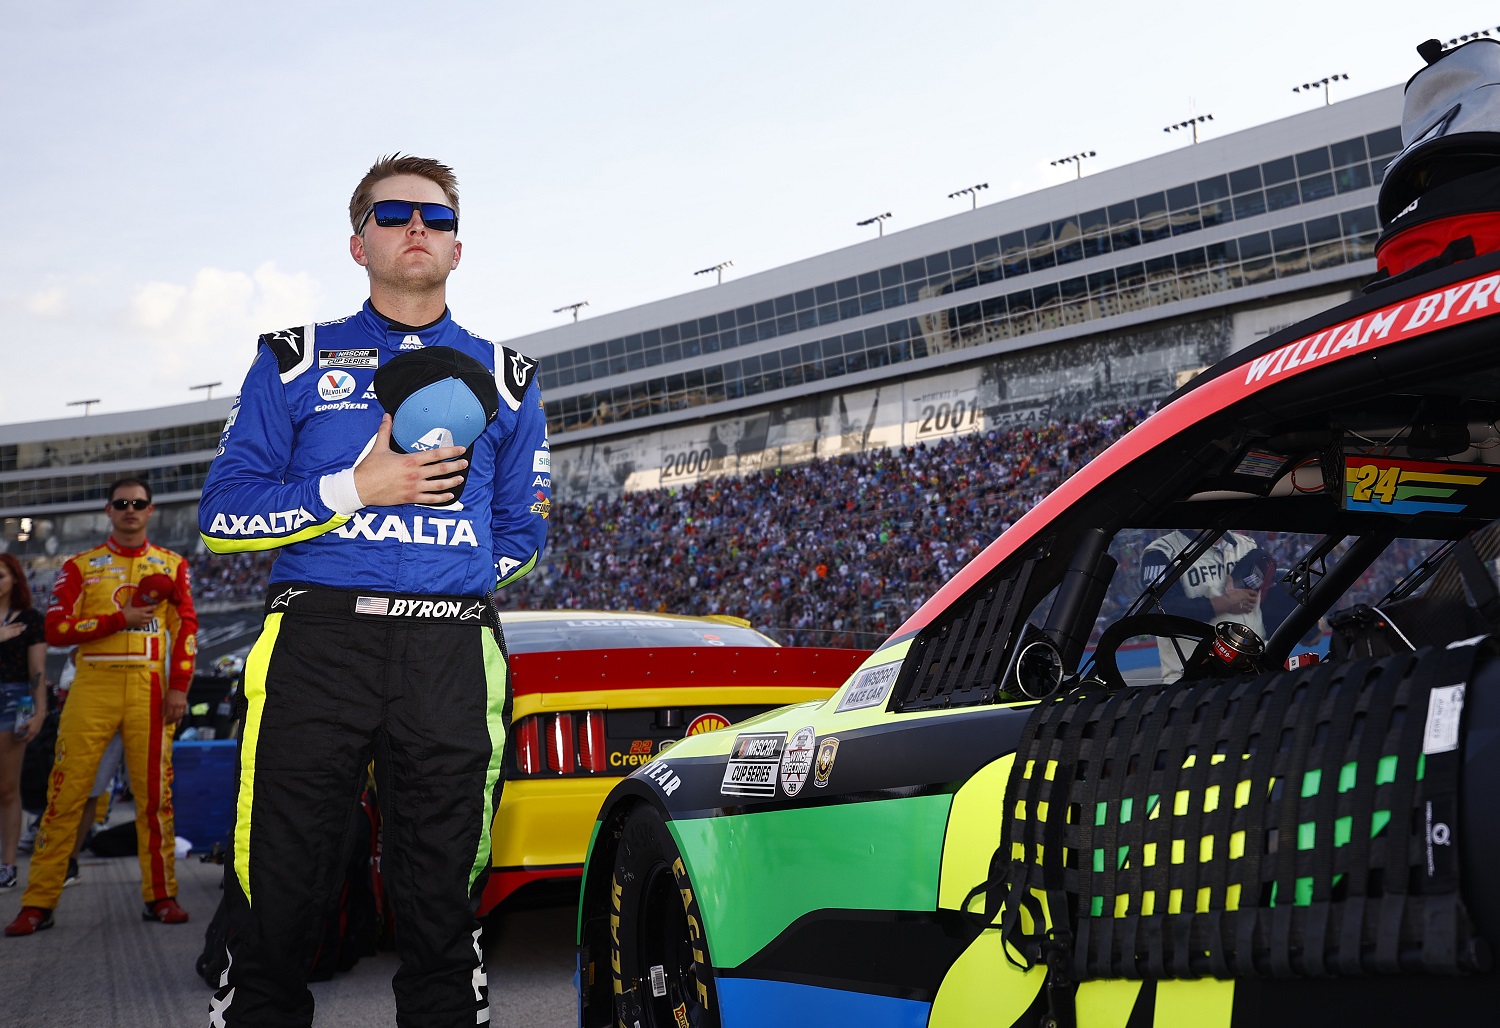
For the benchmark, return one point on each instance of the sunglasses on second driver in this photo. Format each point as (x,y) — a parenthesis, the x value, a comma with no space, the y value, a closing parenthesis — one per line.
(130,504)
(397,213)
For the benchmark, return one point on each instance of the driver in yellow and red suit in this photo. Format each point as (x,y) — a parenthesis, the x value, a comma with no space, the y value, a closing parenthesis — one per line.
(98,604)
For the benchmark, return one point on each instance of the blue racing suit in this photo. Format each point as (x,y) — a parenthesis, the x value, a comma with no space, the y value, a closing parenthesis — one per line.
(379,642)
(284,473)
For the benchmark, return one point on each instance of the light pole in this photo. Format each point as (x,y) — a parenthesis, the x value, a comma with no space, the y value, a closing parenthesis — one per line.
(1191,123)
(1322,83)
(717,269)
(878,220)
(207,385)
(972,192)
(571,307)
(1076,160)
(85,404)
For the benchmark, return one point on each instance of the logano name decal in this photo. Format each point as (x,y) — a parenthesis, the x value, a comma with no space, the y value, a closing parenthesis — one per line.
(1438,309)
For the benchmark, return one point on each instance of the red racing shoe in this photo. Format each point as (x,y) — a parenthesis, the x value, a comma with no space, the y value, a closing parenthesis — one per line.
(30,921)
(166,911)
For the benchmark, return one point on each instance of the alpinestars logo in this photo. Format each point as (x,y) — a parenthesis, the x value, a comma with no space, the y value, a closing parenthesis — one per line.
(519,366)
(291,337)
(284,601)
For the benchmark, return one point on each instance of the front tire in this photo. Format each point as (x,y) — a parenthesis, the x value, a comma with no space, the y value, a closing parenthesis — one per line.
(659,956)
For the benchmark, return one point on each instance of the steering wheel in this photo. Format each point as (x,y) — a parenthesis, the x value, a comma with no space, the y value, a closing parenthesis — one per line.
(1106,659)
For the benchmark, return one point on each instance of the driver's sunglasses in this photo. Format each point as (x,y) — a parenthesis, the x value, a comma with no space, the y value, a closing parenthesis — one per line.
(396,213)
(130,504)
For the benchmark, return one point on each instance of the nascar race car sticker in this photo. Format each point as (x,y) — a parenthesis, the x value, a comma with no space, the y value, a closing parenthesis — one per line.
(1386,486)
(826,753)
(754,761)
(869,687)
(709,722)
(796,760)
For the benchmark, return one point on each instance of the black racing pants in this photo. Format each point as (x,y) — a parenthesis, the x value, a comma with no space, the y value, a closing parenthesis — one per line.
(419,683)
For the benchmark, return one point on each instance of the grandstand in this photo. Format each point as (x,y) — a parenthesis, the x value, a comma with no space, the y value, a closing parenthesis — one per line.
(766,446)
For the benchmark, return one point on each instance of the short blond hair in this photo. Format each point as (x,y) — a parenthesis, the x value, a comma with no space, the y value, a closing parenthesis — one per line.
(401,164)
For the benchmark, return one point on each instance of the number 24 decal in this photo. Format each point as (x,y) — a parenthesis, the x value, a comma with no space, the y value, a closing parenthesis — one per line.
(1371,481)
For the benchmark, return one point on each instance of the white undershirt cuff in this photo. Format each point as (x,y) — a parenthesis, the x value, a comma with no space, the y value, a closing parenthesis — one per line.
(337,491)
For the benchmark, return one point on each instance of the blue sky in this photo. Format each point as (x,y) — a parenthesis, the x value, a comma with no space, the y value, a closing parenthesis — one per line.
(178,172)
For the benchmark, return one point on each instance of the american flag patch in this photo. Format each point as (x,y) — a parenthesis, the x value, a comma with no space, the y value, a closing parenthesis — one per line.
(372,605)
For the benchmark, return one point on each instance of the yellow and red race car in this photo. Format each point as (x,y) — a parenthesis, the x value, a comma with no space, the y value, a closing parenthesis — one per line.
(599,693)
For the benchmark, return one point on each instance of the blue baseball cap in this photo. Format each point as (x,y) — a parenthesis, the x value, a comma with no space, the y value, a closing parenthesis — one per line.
(436,397)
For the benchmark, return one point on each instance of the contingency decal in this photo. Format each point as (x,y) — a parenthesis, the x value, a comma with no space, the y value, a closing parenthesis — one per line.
(796,762)
(869,687)
(1383,485)
(753,763)
(826,754)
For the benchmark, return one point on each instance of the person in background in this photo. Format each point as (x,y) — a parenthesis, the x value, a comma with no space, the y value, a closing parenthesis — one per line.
(23,700)
(128,607)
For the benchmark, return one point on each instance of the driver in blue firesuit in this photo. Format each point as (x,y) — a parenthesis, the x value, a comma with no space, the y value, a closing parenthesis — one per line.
(381,638)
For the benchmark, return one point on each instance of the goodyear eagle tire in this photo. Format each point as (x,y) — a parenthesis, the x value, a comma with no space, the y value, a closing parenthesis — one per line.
(659,956)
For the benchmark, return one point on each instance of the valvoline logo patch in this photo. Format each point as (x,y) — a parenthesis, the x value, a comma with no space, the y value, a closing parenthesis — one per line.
(335,385)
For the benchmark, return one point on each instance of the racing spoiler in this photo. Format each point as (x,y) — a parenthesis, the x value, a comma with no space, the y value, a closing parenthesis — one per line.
(669,667)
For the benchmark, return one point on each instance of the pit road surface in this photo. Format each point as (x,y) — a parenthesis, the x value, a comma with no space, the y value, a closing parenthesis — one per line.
(102,965)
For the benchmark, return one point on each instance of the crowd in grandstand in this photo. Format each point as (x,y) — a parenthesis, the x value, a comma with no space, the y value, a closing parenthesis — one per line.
(833,552)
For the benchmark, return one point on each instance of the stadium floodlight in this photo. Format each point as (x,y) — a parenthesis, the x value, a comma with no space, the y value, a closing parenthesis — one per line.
(716,269)
(879,220)
(1191,123)
(207,385)
(972,192)
(571,307)
(85,404)
(1321,83)
(1076,160)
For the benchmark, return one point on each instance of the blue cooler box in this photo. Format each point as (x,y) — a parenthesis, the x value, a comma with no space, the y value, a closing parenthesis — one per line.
(203,791)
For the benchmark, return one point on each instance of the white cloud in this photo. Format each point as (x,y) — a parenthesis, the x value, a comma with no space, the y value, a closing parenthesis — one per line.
(49,304)
(222,306)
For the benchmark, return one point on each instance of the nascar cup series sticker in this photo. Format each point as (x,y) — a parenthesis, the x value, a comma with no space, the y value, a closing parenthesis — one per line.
(797,760)
(335,385)
(869,687)
(753,763)
(824,764)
